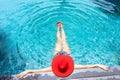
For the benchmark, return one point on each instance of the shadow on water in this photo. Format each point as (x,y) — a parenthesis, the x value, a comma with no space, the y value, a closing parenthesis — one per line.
(2,41)
(3,52)
(111,6)
(114,47)
(9,56)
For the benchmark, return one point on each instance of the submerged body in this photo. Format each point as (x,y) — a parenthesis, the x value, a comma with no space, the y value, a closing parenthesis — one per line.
(63,49)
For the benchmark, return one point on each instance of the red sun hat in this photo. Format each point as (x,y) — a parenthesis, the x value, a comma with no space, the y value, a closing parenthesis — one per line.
(62,65)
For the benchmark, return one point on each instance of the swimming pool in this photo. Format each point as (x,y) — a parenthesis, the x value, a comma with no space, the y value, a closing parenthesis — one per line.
(28,32)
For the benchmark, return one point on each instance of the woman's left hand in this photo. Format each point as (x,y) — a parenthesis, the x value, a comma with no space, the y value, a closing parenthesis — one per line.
(22,74)
(106,68)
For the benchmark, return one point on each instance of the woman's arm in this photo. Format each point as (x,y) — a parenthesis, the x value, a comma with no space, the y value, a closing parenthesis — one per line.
(34,71)
(91,66)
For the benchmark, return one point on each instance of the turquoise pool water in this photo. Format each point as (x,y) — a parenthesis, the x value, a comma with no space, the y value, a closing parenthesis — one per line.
(28,32)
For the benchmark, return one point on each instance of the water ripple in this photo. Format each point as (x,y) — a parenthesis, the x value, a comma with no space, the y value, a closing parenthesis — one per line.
(31,27)
(109,5)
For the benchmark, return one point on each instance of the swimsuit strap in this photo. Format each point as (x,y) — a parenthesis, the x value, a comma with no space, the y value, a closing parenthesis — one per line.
(62,53)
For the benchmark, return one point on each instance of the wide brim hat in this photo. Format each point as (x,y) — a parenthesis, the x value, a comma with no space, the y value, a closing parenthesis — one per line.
(62,65)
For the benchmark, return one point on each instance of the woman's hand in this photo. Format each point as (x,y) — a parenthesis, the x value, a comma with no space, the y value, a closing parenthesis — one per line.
(22,74)
(106,68)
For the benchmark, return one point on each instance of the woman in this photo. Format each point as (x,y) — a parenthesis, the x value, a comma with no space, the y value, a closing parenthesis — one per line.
(62,64)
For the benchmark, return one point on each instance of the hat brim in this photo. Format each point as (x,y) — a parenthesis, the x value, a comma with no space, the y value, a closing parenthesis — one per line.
(55,65)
